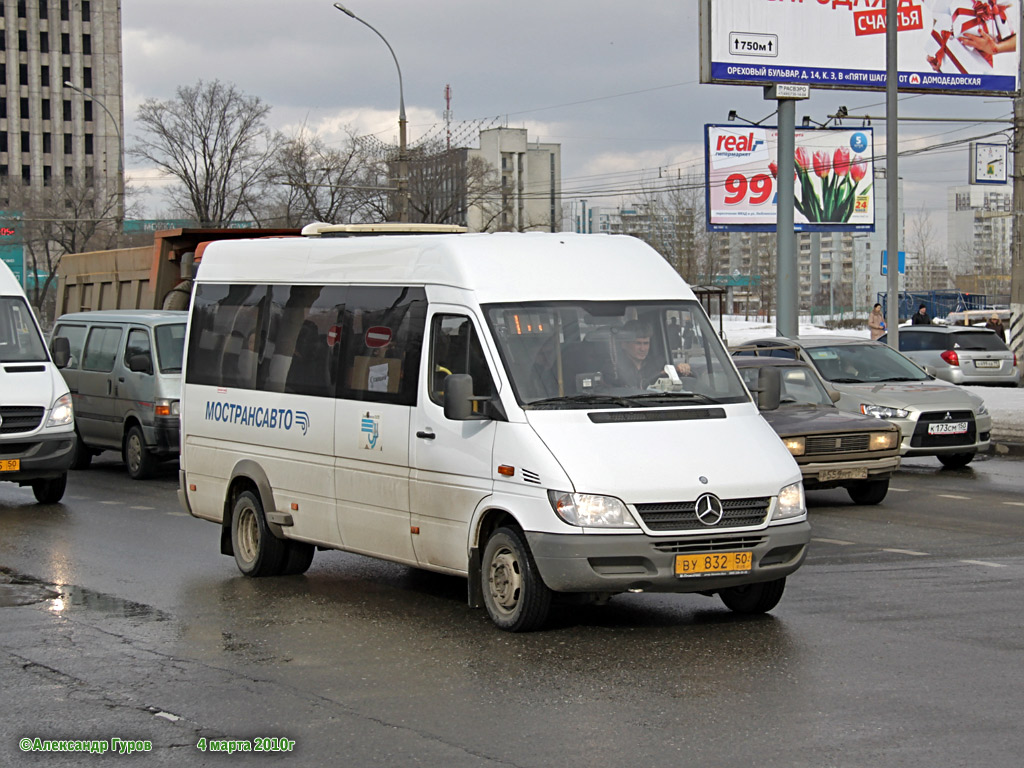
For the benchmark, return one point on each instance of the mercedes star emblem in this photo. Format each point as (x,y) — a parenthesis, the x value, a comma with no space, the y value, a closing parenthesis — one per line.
(709,509)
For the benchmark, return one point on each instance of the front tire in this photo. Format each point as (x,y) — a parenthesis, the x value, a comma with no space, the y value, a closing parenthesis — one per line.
(258,552)
(515,596)
(869,491)
(754,598)
(83,456)
(298,558)
(955,460)
(140,462)
(50,491)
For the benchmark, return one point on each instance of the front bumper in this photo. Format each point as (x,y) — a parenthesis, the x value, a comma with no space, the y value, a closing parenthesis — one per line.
(877,469)
(163,437)
(612,563)
(41,457)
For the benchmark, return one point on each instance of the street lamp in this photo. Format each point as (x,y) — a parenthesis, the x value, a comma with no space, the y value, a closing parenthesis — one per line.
(403,160)
(120,154)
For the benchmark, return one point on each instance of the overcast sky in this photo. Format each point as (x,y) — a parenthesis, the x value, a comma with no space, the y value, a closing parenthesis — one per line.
(615,83)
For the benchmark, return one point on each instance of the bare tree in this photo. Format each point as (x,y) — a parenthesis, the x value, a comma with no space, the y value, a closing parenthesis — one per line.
(215,141)
(62,218)
(310,181)
(923,242)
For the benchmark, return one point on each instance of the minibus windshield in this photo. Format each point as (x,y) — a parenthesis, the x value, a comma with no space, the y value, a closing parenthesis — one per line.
(20,341)
(612,354)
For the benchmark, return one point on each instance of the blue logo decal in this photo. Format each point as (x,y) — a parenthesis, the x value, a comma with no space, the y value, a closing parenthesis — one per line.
(370,427)
(257,416)
(858,142)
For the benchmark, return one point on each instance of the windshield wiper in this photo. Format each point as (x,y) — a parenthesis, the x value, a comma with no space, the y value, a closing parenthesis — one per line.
(581,400)
(899,378)
(847,381)
(674,395)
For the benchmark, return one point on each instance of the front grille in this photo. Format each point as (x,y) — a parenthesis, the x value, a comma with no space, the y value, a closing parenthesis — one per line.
(711,544)
(682,516)
(921,438)
(850,442)
(20,418)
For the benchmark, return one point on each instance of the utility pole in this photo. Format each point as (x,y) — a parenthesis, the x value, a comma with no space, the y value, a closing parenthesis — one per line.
(892,179)
(1016,335)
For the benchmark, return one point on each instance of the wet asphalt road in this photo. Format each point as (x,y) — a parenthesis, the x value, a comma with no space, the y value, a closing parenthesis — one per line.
(897,644)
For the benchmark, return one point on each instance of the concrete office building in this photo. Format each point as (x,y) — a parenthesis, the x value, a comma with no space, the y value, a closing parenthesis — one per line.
(979,223)
(51,135)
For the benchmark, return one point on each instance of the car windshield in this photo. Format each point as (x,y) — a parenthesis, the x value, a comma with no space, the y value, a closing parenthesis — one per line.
(170,346)
(20,341)
(799,385)
(588,354)
(863,363)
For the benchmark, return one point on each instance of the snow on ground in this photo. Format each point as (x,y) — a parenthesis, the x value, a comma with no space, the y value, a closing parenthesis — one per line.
(1006,404)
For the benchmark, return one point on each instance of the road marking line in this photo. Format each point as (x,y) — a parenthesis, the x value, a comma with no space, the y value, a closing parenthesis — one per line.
(111,502)
(178,514)
(984,562)
(906,552)
(840,542)
(953,496)
(143,507)
(899,490)
(1014,503)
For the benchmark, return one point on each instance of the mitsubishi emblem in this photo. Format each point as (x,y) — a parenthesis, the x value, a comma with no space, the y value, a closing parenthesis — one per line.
(948,416)
(709,509)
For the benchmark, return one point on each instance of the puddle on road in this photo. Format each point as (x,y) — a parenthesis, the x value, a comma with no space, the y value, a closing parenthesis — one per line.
(18,589)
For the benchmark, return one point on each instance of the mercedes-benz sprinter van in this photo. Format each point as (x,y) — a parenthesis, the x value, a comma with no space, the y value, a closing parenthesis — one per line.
(516,408)
(36,418)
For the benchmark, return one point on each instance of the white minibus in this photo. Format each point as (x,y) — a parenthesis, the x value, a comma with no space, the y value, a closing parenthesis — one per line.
(540,413)
(37,426)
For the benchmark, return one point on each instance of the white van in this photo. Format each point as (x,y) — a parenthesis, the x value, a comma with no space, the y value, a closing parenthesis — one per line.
(542,413)
(37,426)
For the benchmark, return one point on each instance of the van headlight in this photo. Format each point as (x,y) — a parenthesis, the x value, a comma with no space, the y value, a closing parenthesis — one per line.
(166,408)
(791,502)
(796,445)
(588,511)
(883,411)
(62,413)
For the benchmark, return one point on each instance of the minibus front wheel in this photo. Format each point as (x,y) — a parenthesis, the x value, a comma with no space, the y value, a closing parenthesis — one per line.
(754,598)
(258,552)
(515,596)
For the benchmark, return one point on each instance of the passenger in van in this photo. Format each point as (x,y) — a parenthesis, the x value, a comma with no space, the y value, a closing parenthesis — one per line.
(633,364)
(544,374)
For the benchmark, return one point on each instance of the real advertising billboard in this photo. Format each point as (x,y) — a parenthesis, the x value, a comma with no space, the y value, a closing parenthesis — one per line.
(944,46)
(833,188)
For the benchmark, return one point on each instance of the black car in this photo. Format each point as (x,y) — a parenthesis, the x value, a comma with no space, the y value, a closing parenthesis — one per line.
(833,448)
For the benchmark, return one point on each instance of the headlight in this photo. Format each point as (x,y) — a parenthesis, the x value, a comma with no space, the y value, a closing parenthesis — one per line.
(883,441)
(589,511)
(166,408)
(62,412)
(982,410)
(791,502)
(883,411)
(796,445)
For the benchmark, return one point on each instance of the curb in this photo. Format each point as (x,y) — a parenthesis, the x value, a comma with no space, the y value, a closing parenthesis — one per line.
(999,448)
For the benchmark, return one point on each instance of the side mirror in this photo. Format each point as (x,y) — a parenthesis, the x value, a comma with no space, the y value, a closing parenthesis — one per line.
(461,405)
(141,363)
(60,348)
(769,389)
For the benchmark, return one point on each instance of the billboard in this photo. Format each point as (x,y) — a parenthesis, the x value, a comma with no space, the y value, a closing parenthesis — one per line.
(944,46)
(12,251)
(833,190)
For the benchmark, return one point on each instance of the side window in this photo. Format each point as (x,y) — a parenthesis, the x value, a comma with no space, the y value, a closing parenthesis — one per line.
(455,348)
(137,344)
(227,335)
(75,334)
(301,352)
(381,330)
(101,349)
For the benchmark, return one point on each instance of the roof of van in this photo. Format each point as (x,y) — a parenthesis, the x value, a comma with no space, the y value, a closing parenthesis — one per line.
(9,284)
(504,266)
(142,316)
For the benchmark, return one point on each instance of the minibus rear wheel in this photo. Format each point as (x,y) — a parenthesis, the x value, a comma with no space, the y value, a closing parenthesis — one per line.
(754,598)
(258,552)
(515,596)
